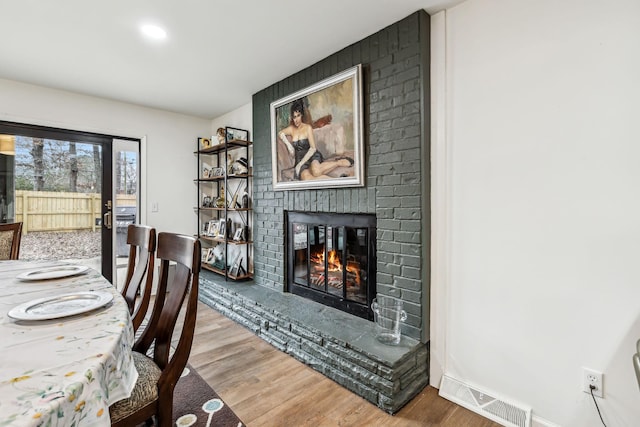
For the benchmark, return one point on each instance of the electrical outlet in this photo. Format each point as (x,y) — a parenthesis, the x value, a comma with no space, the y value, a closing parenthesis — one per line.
(154,207)
(592,378)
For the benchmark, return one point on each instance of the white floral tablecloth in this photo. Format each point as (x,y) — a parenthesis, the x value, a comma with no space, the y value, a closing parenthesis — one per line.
(67,371)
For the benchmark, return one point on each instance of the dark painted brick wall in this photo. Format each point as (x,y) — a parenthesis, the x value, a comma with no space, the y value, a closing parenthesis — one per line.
(395,64)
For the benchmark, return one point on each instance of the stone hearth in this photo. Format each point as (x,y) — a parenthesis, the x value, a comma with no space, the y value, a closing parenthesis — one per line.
(339,345)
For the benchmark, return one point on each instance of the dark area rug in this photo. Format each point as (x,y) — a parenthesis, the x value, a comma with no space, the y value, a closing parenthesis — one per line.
(196,404)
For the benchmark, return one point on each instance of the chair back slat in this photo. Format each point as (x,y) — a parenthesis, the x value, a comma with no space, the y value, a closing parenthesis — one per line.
(142,246)
(181,254)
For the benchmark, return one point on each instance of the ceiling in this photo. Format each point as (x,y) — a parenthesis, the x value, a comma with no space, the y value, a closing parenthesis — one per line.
(217,53)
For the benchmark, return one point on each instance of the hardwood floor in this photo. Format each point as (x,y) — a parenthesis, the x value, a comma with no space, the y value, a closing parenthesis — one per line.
(266,387)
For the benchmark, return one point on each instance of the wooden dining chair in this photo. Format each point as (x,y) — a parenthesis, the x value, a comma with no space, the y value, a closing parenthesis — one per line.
(159,373)
(142,247)
(10,235)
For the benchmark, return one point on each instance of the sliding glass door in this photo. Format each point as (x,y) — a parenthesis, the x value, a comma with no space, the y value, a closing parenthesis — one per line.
(59,184)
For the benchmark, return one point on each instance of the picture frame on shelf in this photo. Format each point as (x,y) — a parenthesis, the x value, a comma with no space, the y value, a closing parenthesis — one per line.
(204,143)
(238,235)
(222,228)
(232,134)
(330,112)
(206,201)
(210,256)
(205,172)
(212,230)
(213,172)
(220,136)
(234,270)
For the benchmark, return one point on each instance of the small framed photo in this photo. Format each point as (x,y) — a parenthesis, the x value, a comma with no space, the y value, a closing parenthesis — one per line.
(216,172)
(210,256)
(234,269)
(236,134)
(212,230)
(206,202)
(220,136)
(204,143)
(205,172)
(222,228)
(238,234)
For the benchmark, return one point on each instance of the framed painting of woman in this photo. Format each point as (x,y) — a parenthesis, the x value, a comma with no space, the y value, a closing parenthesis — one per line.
(316,135)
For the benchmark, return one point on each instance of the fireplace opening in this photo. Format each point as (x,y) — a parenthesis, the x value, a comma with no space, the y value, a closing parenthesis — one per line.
(331,259)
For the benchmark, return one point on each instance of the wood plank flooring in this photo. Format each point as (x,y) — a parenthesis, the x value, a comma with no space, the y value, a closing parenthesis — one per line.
(266,387)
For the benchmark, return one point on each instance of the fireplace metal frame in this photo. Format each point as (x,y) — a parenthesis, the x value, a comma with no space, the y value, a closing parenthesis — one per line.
(367,221)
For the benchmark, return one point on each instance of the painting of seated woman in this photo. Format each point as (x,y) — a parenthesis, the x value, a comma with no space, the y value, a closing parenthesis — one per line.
(317,135)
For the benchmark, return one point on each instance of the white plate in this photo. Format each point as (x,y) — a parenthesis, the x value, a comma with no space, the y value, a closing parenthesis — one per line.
(53,272)
(57,306)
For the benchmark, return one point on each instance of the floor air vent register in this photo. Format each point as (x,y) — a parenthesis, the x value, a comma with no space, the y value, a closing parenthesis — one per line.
(506,413)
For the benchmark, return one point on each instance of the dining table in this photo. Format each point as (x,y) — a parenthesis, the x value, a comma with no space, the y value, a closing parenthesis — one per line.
(65,345)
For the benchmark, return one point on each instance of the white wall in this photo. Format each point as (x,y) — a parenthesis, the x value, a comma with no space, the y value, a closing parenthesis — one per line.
(170,142)
(543,254)
(241,117)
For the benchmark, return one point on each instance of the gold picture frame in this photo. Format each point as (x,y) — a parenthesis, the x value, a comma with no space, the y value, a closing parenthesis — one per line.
(204,143)
(324,148)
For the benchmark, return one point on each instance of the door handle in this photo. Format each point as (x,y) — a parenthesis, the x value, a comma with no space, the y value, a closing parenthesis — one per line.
(106,220)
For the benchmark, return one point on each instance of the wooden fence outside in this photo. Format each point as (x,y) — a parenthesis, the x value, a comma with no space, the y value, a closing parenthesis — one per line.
(57,211)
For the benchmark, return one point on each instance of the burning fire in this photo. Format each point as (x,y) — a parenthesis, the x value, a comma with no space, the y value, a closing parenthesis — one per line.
(334,265)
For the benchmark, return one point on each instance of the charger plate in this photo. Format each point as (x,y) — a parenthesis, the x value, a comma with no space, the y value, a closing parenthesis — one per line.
(63,305)
(56,272)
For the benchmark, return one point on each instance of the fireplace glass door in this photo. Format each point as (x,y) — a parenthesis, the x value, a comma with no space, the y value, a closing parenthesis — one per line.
(332,261)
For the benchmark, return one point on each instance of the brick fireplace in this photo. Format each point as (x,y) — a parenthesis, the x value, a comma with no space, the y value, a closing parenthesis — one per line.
(395,63)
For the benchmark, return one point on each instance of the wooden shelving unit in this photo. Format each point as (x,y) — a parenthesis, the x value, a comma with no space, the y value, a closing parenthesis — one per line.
(220,204)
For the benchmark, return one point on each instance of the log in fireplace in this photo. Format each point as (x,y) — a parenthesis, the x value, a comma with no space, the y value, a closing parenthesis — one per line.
(331,259)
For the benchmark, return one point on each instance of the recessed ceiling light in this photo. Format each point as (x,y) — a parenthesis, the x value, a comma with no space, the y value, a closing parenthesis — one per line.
(153,32)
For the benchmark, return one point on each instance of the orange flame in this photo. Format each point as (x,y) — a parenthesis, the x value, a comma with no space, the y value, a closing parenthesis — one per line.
(334,264)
